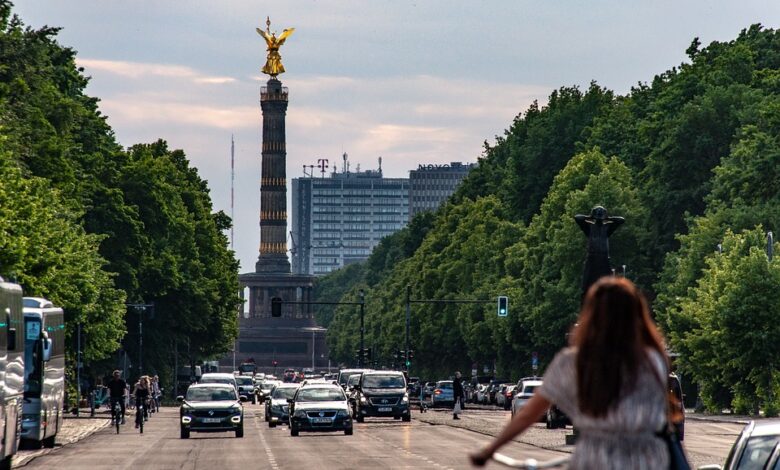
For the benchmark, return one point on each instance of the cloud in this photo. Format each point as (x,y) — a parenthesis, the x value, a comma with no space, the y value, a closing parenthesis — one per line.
(136,70)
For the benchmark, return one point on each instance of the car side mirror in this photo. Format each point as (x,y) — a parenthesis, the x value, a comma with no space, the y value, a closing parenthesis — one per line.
(290,401)
(242,398)
(180,398)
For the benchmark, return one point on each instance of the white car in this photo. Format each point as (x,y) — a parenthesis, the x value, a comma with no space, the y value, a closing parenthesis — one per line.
(525,390)
(482,396)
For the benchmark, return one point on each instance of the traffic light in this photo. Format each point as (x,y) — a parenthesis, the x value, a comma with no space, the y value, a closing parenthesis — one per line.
(276,307)
(503,305)
(367,353)
(411,354)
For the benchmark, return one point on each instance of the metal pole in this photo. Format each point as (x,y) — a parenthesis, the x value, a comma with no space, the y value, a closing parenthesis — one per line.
(141,340)
(78,368)
(362,326)
(408,316)
(312,351)
(175,367)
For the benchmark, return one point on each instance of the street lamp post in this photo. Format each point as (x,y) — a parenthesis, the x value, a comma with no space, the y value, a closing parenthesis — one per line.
(408,317)
(362,295)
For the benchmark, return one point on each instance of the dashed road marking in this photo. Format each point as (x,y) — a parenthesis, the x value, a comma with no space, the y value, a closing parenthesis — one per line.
(268,452)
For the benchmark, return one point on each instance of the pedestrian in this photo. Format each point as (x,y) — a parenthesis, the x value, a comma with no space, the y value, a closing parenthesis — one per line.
(611,382)
(457,395)
(422,397)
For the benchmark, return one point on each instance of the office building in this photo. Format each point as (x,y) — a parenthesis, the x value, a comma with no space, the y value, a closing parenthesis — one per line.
(431,185)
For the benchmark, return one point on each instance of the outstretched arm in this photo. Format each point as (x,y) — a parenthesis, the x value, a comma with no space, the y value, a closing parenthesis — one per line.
(528,415)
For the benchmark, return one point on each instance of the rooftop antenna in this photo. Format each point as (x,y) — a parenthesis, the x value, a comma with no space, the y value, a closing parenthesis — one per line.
(345,168)
(357,168)
(380,166)
(232,188)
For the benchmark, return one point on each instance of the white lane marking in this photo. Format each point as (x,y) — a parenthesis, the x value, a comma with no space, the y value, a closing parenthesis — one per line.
(268,452)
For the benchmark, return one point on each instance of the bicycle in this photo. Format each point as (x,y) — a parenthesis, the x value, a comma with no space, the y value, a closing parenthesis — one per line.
(530,464)
(139,415)
(116,415)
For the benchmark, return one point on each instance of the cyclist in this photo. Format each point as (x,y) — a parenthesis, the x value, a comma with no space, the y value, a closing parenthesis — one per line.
(117,389)
(141,393)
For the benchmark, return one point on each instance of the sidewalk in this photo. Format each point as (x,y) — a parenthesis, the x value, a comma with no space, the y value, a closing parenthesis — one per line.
(73,430)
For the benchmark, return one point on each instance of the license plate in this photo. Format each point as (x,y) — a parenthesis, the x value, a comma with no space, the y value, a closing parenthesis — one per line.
(212,420)
(320,420)
(385,410)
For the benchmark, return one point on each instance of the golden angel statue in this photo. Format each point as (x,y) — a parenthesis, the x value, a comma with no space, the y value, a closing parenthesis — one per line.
(273,64)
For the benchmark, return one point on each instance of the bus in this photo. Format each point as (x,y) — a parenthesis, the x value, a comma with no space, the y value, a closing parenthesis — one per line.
(44,371)
(11,370)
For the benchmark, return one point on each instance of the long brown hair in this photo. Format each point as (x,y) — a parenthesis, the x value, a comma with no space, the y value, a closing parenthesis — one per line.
(612,336)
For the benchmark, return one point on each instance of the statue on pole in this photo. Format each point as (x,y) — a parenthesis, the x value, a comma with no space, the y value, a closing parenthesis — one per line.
(597,227)
(273,64)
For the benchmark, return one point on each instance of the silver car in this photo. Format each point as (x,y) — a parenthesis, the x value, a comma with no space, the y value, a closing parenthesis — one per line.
(524,391)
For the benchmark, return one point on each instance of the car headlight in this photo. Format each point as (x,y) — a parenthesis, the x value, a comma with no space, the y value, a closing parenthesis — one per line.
(186,419)
(363,399)
(405,399)
(300,414)
(342,413)
(235,408)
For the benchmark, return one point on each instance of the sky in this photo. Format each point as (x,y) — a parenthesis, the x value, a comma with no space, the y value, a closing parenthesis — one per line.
(410,81)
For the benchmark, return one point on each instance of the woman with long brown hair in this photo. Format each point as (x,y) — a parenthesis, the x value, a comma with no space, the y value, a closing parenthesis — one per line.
(611,382)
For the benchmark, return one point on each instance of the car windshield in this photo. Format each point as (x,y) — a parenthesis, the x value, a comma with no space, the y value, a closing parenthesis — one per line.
(344,379)
(757,452)
(284,393)
(444,385)
(383,381)
(210,394)
(244,381)
(320,394)
(529,389)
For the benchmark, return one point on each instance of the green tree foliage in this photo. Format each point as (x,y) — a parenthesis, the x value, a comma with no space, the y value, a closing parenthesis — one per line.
(46,250)
(734,308)
(146,210)
(521,165)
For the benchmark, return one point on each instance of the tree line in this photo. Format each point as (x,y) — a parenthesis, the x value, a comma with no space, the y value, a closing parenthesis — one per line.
(93,226)
(691,159)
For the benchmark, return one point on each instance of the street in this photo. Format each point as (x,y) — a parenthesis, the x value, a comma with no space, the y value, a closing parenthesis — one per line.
(375,444)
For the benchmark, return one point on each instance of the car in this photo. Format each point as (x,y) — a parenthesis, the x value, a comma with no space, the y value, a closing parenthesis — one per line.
(320,407)
(218,378)
(755,447)
(211,407)
(443,394)
(246,388)
(266,387)
(556,418)
(428,390)
(526,388)
(382,394)
(675,387)
(277,410)
(493,387)
(344,375)
(506,395)
(351,391)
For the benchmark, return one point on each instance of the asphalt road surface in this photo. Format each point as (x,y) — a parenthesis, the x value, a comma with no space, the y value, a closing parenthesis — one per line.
(375,444)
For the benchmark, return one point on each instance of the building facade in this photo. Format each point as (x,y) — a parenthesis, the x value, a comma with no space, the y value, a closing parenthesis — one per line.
(431,185)
(340,218)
